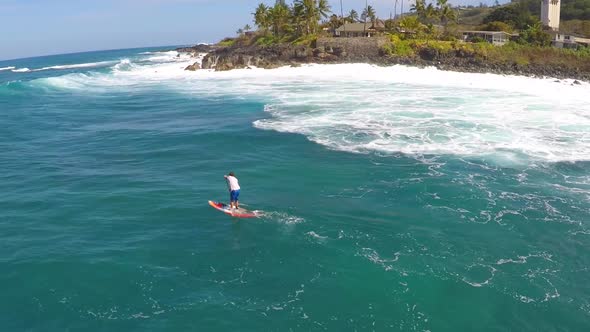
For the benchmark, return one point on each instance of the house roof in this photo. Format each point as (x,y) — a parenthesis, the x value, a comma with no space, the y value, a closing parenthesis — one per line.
(360,27)
(488,32)
(482,32)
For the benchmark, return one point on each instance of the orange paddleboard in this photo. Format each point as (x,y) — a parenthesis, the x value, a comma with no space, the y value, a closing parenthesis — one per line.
(237,213)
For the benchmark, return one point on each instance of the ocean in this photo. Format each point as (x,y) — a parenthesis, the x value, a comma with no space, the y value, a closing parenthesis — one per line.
(390,198)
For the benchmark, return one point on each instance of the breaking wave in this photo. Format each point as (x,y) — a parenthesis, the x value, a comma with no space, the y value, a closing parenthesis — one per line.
(78,65)
(62,67)
(362,108)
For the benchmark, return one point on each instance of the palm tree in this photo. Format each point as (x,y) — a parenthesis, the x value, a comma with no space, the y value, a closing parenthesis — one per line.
(262,16)
(353,16)
(411,24)
(305,10)
(419,7)
(447,14)
(364,13)
(335,22)
(323,9)
(430,12)
(247,27)
(371,14)
(279,18)
(311,12)
(441,3)
(239,32)
(298,19)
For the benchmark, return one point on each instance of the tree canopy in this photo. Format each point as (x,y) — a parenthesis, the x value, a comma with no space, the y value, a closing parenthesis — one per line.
(524,13)
(302,18)
(429,13)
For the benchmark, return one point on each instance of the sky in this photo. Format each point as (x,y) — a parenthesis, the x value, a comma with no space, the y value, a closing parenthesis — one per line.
(42,27)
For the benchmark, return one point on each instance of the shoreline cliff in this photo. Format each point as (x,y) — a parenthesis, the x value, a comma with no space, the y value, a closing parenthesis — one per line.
(371,51)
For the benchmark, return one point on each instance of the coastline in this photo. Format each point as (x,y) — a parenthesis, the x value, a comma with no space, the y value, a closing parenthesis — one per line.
(369,51)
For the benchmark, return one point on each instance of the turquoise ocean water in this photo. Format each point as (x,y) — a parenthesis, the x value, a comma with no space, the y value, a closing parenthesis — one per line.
(395,199)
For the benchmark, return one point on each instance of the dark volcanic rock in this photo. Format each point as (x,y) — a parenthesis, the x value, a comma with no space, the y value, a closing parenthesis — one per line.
(200,48)
(370,50)
(193,67)
(326,50)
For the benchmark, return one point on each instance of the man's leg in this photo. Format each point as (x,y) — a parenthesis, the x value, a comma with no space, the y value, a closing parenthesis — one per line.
(232,199)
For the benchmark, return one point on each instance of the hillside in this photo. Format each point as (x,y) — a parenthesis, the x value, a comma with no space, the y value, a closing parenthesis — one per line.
(575,15)
(473,16)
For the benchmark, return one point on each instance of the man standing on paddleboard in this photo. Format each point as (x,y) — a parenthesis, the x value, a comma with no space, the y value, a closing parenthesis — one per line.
(234,190)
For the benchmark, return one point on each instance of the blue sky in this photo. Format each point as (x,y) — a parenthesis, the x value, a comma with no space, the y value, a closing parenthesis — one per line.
(41,27)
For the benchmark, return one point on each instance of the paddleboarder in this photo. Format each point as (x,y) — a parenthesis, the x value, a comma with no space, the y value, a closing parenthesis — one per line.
(234,190)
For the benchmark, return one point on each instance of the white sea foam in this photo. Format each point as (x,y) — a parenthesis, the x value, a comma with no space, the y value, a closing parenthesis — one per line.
(78,65)
(169,56)
(21,70)
(123,65)
(373,256)
(7,68)
(315,235)
(362,108)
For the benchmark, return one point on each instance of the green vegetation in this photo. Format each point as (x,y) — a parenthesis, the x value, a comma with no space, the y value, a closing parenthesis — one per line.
(227,42)
(302,23)
(283,23)
(418,39)
(575,16)
(570,9)
(523,13)
(510,53)
(576,27)
(517,15)
(534,35)
(497,26)
(431,13)
(575,9)
(432,31)
(472,16)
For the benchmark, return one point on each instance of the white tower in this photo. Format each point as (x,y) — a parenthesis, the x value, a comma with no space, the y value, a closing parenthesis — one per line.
(550,13)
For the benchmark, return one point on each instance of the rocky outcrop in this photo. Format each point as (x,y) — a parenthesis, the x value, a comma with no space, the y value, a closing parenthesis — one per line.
(367,50)
(473,65)
(263,57)
(325,50)
(193,67)
(200,48)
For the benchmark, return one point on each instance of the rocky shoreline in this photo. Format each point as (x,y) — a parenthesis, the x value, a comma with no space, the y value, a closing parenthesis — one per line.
(363,50)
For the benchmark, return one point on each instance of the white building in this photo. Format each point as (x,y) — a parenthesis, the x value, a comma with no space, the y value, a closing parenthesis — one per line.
(550,10)
(492,37)
(569,41)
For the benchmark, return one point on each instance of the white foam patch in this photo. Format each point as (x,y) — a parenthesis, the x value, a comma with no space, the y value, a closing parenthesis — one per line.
(281,217)
(363,108)
(170,56)
(316,236)
(78,66)
(7,68)
(373,256)
(21,70)
(124,65)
